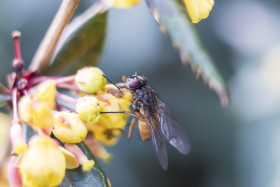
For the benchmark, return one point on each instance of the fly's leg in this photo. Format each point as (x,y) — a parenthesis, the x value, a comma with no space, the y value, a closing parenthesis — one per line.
(132,124)
(131,128)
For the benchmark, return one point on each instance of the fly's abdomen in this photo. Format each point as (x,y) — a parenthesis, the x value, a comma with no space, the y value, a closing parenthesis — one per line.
(143,129)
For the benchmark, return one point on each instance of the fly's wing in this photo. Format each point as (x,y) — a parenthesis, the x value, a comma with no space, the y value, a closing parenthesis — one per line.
(172,130)
(156,136)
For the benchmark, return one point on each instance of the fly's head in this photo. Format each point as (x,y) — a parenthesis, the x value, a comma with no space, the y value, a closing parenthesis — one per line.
(135,81)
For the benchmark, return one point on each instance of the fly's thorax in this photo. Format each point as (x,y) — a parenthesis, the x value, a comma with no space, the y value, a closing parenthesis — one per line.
(146,98)
(143,129)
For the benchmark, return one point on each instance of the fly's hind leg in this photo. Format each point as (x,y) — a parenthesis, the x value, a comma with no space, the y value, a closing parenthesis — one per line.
(132,123)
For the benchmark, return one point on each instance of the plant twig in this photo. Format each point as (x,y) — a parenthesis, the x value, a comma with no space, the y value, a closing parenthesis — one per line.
(46,49)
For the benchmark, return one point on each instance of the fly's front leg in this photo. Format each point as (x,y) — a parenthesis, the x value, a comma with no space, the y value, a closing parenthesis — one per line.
(132,97)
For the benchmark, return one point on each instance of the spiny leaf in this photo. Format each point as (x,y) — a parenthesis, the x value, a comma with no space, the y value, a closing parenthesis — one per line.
(77,177)
(81,42)
(174,20)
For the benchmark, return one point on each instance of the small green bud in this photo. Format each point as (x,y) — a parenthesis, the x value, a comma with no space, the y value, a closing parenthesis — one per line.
(90,79)
(88,109)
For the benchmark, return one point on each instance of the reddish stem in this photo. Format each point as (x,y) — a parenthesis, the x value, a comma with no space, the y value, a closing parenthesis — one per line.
(66,98)
(14,174)
(15,109)
(65,79)
(16,37)
(17,62)
(68,86)
(58,80)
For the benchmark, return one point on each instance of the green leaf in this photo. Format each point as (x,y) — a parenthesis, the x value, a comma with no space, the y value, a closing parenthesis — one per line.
(3,100)
(77,177)
(174,20)
(81,43)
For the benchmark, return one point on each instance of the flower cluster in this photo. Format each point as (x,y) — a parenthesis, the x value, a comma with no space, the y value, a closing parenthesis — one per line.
(96,118)
(197,9)
(45,110)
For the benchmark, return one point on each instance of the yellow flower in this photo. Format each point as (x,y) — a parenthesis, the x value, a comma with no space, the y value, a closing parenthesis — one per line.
(43,164)
(198,9)
(108,129)
(41,114)
(46,92)
(4,182)
(90,79)
(35,108)
(103,134)
(4,135)
(35,113)
(125,3)
(68,127)
(113,100)
(112,120)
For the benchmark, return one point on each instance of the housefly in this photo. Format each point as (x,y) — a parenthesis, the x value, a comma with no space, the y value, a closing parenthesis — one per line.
(155,120)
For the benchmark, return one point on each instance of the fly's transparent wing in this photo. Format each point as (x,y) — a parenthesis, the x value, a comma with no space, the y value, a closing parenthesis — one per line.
(157,137)
(172,130)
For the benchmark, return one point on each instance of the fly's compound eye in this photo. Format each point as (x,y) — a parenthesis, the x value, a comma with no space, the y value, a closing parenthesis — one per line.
(134,83)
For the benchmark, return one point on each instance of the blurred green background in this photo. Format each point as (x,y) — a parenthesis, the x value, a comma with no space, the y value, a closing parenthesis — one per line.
(236,146)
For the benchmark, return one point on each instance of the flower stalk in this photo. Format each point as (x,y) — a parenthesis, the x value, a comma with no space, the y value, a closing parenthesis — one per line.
(14,175)
(46,49)
(17,62)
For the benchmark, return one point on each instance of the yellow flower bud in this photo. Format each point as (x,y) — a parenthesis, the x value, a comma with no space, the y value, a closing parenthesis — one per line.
(68,127)
(42,164)
(17,139)
(25,109)
(90,79)
(198,9)
(125,3)
(88,109)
